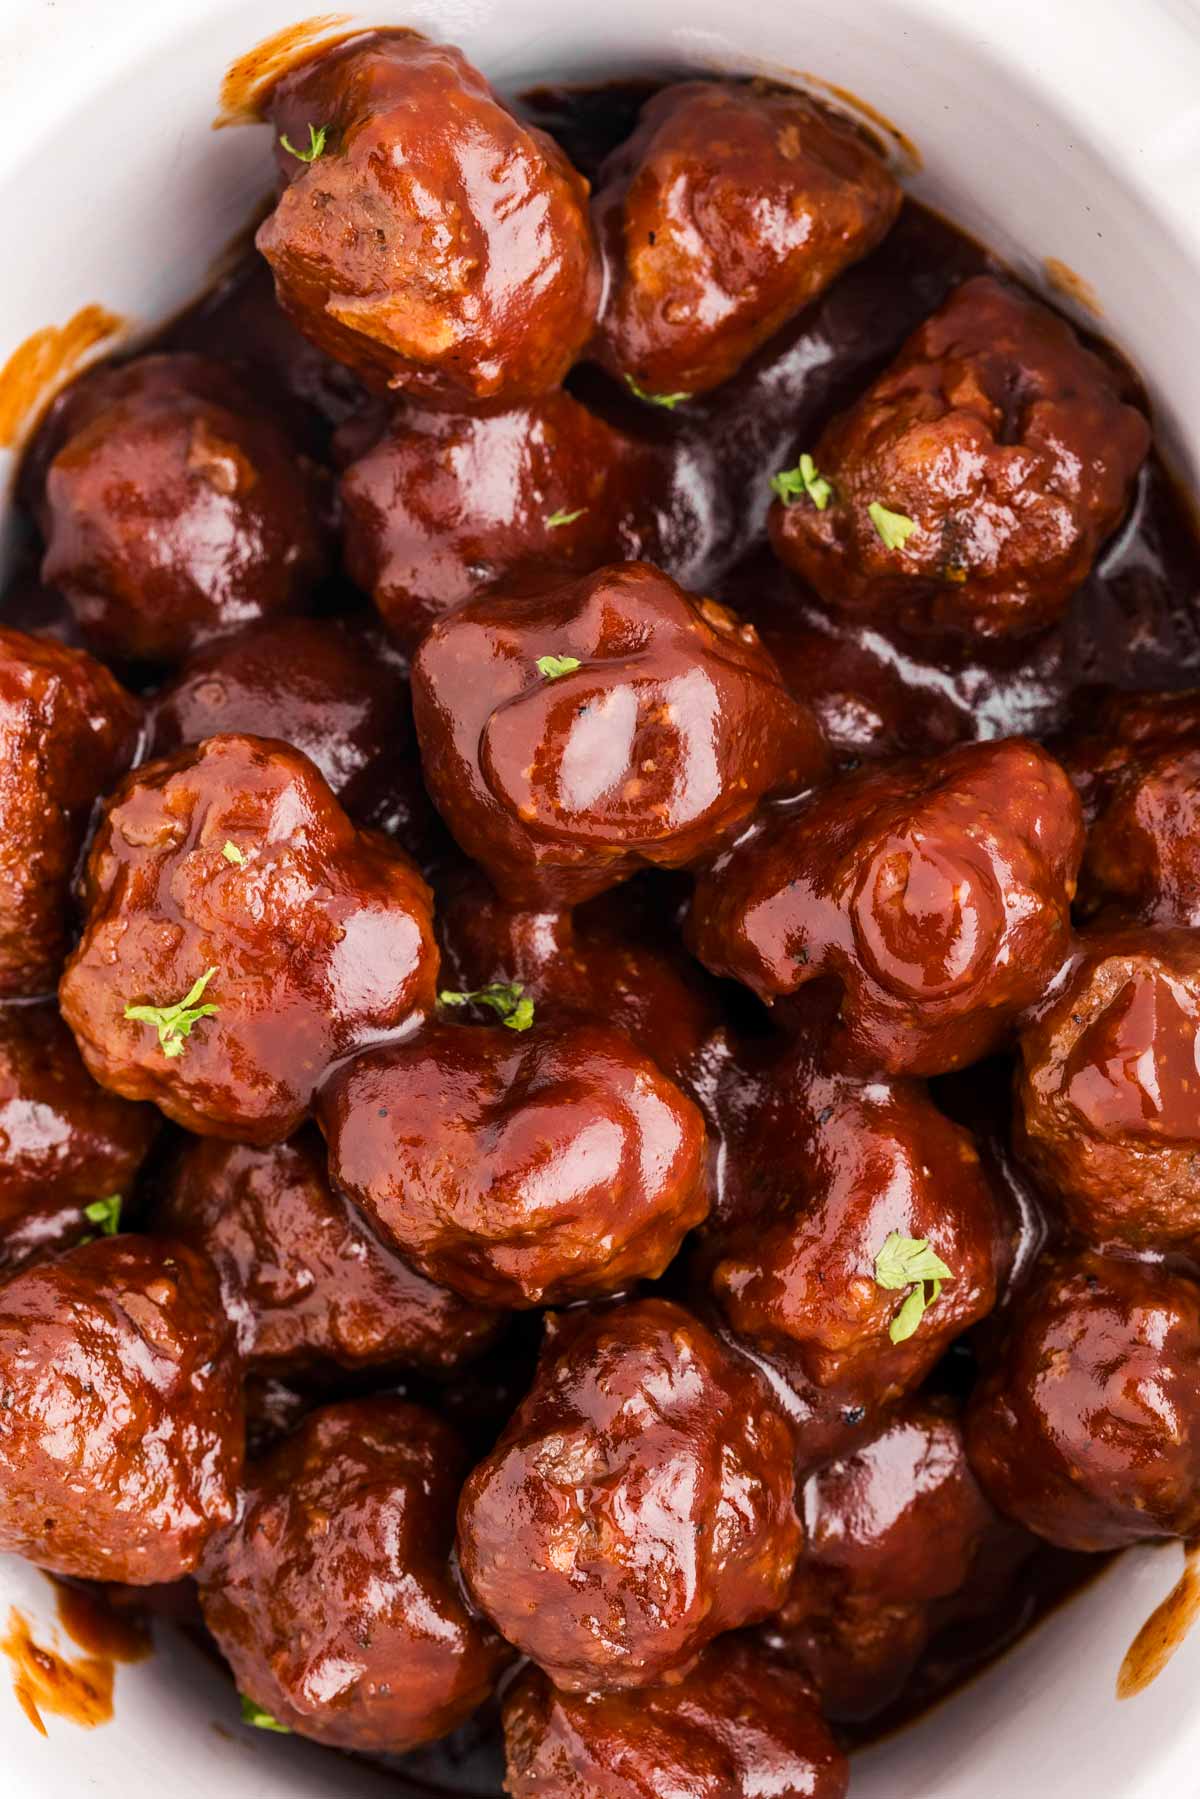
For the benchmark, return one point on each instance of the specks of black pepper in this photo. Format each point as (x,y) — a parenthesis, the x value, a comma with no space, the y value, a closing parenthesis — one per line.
(650,237)
(1076,1018)
(802,957)
(47,1524)
(853,1414)
(383,1112)
(1091,1281)
(825,1114)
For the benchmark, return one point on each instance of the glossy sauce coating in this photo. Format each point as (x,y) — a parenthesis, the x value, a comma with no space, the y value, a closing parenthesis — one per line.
(519,1168)
(329,687)
(1108,1097)
(650,752)
(729,208)
(1137,768)
(319,934)
(611,961)
(121,1417)
(175,509)
(639,1503)
(67,731)
(819,1170)
(1087,1428)
(441,506)
(1007,450)
(737,1725)
(64,1141)
(302,1274)
(333,1596)
(938,894)
(890,1531)
(436,245)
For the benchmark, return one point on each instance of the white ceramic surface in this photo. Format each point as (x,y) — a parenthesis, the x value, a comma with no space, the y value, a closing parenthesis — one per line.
(1054,128)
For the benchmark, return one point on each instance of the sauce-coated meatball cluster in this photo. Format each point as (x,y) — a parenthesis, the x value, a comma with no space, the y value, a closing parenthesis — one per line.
(599,1038)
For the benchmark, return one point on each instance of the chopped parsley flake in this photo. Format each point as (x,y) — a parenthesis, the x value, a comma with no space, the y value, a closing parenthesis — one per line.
(910,1262)
(506,998)
(805,478)
(174,1023)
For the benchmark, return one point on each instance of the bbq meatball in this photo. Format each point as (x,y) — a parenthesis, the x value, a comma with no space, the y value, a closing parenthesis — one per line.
(64,1142)
(519,1168)
(604,961)
(1087,1430)
(175,510)
(302,1274)
(67,731)
(242,936)
(937,893)
(121,1420)
(970,488)
(639,1503)
(434,243)
(442,506)
(1107,1099)
(1138,774)
(333,1597)
(727,211)
(837,1192)
(738,1724)
(327,687)
(616,723)
(891,1532)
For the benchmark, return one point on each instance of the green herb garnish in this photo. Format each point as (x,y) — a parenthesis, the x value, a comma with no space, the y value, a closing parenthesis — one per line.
(106,1213)
(910,1262)
(558,519)
(555,666)
(233,854)
(261,1720)
(316,144)
(174,1023)
(805,478)
(505,999)
(670,401)
(894,528)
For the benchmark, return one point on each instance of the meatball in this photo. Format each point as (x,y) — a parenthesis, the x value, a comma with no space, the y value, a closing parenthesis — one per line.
(443,506)
(891,1532)
(639,1503)
(519,1168)
(302,1274)
(424,236)
(604,961)
(1107,1113)
(242,937)
(333,1597)
(969,489)
(738,1724)
(67,731)
(1087,1430)
(616,723)
(1138,774)
(838,1192)
(175,510)
(729,209)
(327,687)
(937,893)
(64,1142)
(121,1423)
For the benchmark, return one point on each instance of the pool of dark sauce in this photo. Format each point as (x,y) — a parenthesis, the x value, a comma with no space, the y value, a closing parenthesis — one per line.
(1136,623)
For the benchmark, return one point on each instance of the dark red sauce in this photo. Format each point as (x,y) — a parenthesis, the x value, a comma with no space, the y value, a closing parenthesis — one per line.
(1135,623)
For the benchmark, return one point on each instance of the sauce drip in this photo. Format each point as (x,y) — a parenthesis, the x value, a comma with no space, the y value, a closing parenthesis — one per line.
(41,365)
(1167,1627)
(250,78)
(78,1689)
